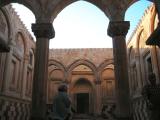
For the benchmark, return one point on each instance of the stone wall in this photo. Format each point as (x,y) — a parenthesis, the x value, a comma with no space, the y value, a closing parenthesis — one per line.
(80,68)
(16,67)
(69,56)
(142,59)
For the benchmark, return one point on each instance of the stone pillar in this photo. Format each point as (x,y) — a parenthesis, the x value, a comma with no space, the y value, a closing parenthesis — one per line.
(43,32)
(118,30)
(98,98)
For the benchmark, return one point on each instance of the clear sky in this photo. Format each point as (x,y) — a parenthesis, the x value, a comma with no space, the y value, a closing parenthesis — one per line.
(83,25)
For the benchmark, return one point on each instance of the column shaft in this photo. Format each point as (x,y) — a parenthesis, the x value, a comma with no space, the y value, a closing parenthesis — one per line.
(118,30)
(40,78)
(43,32)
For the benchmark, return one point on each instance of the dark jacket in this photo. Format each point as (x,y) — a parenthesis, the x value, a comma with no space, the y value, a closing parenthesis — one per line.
(61,106)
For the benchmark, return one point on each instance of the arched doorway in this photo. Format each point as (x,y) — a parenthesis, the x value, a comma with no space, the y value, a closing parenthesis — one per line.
(82,96)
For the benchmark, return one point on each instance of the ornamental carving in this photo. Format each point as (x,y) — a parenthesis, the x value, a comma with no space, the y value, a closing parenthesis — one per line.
(118,28)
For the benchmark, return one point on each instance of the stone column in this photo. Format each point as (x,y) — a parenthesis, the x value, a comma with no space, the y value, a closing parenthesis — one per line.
(98,98)
(118,30)
(43,32)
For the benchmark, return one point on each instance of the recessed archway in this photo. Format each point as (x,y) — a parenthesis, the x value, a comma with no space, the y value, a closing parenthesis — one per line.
(82,96)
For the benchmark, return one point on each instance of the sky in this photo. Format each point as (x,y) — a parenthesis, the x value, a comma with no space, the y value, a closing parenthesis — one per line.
(83,25)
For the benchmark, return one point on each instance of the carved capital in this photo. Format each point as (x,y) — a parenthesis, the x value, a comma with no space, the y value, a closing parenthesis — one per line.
(118,28)
(43,30)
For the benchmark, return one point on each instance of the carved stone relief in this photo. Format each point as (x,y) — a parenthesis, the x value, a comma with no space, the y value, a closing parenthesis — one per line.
(14,76)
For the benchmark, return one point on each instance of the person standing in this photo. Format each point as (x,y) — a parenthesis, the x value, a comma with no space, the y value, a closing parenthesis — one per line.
(61,104)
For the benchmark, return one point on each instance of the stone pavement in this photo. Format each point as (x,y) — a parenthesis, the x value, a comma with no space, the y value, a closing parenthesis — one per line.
(89,117)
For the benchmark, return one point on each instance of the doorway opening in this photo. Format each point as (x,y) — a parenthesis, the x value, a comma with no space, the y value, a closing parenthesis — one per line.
(82,103)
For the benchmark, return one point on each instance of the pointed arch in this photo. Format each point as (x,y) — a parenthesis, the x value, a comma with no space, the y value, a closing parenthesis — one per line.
(81,62)
(73,84)
(59,65)
(24,37)
(56,63)
(62,4)
(103,65)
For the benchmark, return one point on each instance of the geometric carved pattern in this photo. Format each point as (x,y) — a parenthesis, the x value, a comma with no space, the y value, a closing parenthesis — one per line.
(108,111)
(140,110)
(11,110)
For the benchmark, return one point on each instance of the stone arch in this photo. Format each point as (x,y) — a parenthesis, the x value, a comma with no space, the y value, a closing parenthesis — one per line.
(24,37)
(57,63)
(59,66)
(61,5)
(108,84)
(81,62)
(139,43)
(74,83)
(138,40)
(83,86)
(102,66)
(153,17)
(21,40)
(58,69)
(109,69)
